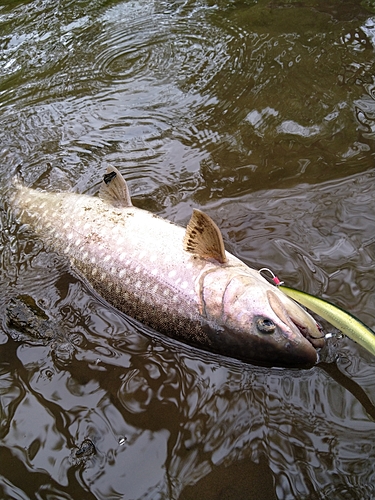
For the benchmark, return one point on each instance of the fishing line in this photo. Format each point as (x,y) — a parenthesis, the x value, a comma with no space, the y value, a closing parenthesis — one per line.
(275,279)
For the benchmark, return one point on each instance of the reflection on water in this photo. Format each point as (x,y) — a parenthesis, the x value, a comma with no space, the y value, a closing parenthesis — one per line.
(261,113)
(163,416)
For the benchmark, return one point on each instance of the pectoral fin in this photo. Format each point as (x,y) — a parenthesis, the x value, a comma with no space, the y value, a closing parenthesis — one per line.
(204,238)
(114,189)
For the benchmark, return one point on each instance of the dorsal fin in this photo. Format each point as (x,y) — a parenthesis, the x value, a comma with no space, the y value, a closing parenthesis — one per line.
(114,189)
(204,238)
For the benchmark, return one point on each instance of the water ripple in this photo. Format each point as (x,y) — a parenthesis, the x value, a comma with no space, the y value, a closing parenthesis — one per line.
(244,109)
(178,87)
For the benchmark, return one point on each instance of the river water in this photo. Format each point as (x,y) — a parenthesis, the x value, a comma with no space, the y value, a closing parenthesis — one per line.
(263,115)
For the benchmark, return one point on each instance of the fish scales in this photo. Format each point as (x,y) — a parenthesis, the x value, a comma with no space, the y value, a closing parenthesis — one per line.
(126,266)
(147,267)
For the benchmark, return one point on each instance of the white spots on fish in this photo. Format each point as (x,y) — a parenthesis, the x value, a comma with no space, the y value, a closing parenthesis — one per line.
(166,292)
(138,284)
(153,258)
(42,205)
(172,273)
(79,213)
(122,256)
(142,255)
(107,258)
(117,289)
(121,273)
(178,281)
(70,236)
(66,225)
(85,254)
(67,249)
(120,240)
(77,242)
(103,276)
(154,272)
(137,269)
(189,265)
(184,284)
(155,289)
(94,271)
(93,260)
(87,226)
(103,235)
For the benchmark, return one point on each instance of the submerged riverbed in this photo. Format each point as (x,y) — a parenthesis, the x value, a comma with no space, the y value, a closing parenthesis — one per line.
(262,114)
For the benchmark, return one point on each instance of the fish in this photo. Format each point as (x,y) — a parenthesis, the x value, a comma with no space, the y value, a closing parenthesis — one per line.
(344,321)
(180,282)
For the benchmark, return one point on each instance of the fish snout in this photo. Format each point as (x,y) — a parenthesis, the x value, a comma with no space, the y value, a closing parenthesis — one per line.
(298,320)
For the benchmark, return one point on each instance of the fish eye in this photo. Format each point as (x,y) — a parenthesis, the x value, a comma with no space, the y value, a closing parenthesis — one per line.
(265,325)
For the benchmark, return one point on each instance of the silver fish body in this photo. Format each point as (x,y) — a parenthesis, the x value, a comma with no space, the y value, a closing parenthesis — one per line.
(141,264)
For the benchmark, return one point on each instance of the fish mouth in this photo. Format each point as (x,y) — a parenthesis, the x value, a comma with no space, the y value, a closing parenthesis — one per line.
(299,322)
(317,342)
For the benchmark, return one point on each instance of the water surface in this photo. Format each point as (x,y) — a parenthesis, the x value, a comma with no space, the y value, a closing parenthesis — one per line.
(263,115)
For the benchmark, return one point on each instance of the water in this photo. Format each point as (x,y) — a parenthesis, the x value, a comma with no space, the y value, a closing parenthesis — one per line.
(263,115)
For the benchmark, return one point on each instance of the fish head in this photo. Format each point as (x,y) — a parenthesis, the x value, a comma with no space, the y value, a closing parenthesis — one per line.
(257,323)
